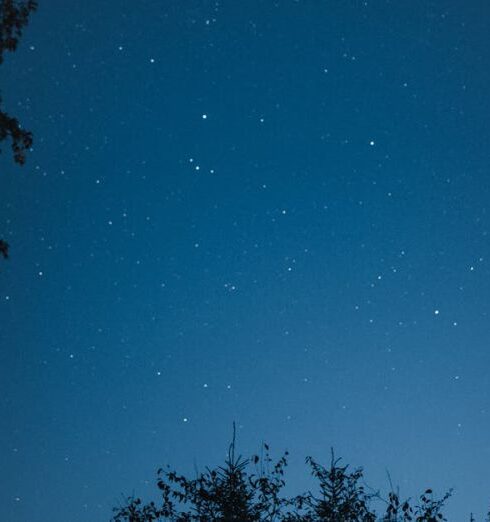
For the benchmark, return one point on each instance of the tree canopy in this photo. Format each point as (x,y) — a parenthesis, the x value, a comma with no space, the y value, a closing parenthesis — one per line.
(250,490)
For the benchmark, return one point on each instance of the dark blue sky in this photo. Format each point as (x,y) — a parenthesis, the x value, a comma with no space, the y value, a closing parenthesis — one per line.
(268,212)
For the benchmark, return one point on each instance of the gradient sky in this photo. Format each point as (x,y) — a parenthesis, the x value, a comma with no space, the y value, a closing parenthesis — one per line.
(269,212)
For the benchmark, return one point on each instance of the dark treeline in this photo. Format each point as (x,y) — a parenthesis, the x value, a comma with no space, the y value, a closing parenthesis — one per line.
(250,490)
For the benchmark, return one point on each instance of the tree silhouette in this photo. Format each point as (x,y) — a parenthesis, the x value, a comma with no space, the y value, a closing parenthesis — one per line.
(249,490)
(14,16)
(341,496)
(229,493)
(429,509)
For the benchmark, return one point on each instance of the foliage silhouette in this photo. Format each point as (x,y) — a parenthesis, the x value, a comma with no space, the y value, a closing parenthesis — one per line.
(228,493)
(14,16)
(341,495)
(249,490)
(4,249)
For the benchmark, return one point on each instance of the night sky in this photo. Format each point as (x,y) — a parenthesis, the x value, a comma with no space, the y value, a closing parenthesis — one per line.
(269,212)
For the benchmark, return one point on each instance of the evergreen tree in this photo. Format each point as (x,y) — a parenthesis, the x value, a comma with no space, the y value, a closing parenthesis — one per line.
(229,493)
(236,493)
